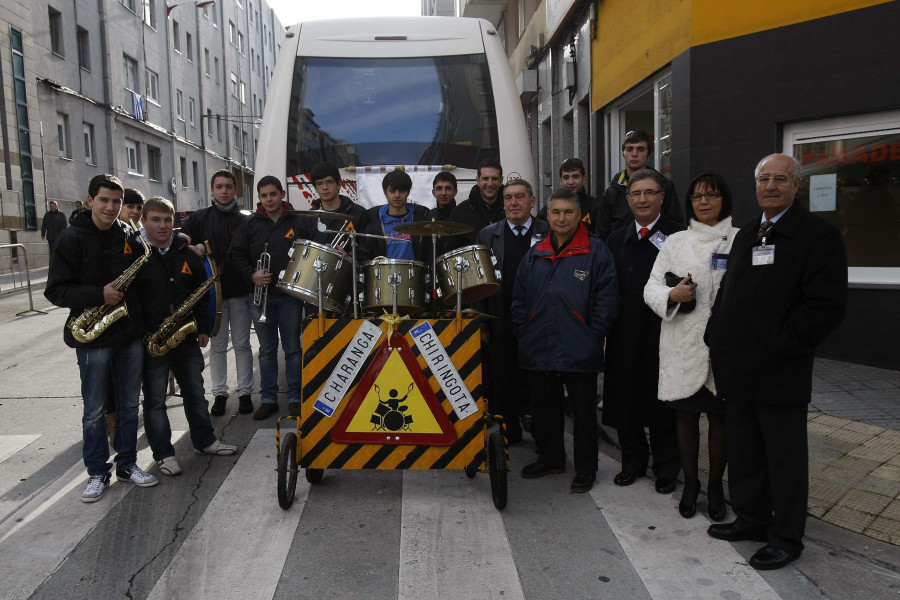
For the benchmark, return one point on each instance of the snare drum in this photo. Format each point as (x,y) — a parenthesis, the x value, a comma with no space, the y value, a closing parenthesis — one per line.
(380,277)
(479,279)
(301,277)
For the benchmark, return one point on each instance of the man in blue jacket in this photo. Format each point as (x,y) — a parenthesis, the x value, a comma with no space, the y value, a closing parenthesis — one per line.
(565,300)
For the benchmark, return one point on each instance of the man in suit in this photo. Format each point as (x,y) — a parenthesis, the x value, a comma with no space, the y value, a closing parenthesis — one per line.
(630,400)
(509,241)
(784,291)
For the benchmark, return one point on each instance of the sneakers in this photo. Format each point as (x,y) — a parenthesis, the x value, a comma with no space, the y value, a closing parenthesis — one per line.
(294,409)
(246,405)
(217,448)
(218,407)
(265,411)
(539,469)
(169,466)
(136,475)
(95,487)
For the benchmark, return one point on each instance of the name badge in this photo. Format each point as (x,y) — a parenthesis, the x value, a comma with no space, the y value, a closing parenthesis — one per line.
(657,239)
(764,255)
(535,240)
(719,262)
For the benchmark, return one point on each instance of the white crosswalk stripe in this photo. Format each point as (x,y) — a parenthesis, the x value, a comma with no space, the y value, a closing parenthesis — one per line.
(10,444)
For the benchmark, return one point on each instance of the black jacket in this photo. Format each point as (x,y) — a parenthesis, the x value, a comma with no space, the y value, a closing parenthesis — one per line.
(53,224)
(84,261)
(349,207)
(615,212)
(590,211)
(632,348)
(767,320)
(218,228)
(442,213)
(165,283)
(476,212)
(258,230)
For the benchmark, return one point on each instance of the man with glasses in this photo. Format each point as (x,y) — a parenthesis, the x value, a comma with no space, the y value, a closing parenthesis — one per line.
(637,148)
(630,381)
(509,241)
(326,178)
(784,291)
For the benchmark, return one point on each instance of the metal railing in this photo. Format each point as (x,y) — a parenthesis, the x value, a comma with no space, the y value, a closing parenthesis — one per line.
(15,260)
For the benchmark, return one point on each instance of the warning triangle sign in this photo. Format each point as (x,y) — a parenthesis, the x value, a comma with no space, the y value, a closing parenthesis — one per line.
(394,404)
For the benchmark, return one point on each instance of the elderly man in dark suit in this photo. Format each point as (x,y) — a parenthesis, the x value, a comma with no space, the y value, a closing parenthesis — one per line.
(630,401)
(509,241)
(784,291)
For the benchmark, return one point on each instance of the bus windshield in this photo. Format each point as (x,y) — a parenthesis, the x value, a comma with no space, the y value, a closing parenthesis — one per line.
(391,111)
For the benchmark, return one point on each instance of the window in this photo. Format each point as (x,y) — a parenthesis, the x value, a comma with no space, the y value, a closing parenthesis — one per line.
(219,127)
(176,36)
(191,111)
(152,86)
(215,15)
(234,86)
(184,179)
(89,144)
(154,160)
(252,60)
(84,49)
(235,136)
(195,171)
(216,62)
(851,169)
(150,13)
(62,133)
(206,60)
(209,122)
(244,143)
(189,47)
(240,43)
(250,12)
(179,104)
(231,32)
(131,74)
(56,33)
(129,4)
(133,157)
(521,11)
(243,97)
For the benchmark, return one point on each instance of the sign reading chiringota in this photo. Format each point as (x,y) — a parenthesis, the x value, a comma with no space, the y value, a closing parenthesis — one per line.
(351,361)
(443,371)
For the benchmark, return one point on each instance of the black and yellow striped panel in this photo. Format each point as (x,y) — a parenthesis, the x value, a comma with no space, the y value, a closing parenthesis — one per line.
(321,355)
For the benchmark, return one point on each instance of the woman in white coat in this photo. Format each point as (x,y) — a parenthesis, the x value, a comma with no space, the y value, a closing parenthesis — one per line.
(695,261)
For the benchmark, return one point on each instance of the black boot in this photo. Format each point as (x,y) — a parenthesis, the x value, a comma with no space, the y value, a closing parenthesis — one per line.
(716,495)
(688,505)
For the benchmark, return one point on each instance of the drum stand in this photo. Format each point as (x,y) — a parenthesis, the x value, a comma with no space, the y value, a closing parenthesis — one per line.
(320,267)
(461,265)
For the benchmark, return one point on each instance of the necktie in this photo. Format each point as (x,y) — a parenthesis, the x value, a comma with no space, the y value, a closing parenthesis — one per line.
(644,232)
(763,229)
(520,230)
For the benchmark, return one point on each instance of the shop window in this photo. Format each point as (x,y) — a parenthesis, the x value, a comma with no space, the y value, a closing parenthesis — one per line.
(851,177)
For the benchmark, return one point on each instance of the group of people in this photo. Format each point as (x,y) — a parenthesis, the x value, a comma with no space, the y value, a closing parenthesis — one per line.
(682,320)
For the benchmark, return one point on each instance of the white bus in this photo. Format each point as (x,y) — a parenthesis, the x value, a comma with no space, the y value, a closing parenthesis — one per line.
(368,95)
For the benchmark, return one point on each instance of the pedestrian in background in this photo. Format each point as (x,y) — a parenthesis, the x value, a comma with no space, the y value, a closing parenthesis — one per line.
(52,226)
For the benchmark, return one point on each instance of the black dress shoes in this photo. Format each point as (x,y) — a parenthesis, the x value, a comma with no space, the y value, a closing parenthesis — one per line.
(769,558)
(539,469)
(736,532)
(716,501)
(583,483)
(664,485)
(688,505)
(626,478)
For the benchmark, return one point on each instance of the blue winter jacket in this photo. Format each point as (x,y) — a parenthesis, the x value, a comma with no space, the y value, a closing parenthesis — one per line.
(564,304)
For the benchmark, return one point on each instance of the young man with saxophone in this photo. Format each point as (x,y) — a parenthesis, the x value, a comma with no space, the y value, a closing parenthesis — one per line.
(94,263)
(273,230)
(174,288)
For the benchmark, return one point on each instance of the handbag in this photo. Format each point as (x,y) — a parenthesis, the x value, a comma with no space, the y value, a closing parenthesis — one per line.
(672,280)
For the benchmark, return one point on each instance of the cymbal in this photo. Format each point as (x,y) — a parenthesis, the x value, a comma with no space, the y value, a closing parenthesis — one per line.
(321,214)
(433,227)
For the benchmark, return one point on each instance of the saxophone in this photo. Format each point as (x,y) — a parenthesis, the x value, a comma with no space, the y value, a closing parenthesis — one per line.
(178,325)
(90,324)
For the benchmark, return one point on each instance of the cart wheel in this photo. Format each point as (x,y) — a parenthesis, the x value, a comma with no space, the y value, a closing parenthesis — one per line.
(497,469)
(471,470)
(314,475)
(287,471)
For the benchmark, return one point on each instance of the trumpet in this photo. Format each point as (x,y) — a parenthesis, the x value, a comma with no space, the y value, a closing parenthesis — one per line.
(261,292)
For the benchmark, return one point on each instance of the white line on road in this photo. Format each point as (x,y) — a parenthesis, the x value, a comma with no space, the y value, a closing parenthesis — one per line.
(452,540)
(206,562)
(10,444)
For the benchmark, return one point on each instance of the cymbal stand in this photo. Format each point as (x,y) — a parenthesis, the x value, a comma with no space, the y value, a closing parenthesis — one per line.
(320,267)
(461,265)
(434,273)
(355,275)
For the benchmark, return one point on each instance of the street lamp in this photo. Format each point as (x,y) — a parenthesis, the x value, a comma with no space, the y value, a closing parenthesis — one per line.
(174,5)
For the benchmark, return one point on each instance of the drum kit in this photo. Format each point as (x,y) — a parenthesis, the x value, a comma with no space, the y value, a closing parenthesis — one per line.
(327,275)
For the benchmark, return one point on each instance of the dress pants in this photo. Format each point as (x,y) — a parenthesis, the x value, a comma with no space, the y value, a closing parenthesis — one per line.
(768,469)
(548,417)
(663,446)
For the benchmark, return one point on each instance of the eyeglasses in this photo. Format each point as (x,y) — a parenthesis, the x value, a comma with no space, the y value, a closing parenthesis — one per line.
(780,179)
(708,195)
(648,194)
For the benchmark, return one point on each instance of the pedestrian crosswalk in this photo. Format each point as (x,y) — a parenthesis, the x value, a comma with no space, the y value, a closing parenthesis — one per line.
(411,535)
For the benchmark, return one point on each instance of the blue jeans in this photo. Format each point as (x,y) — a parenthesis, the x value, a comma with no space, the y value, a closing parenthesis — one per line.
(186,363)
(95,365)
(284,315)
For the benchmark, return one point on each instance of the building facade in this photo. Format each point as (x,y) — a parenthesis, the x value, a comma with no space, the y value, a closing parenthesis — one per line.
(160,95)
